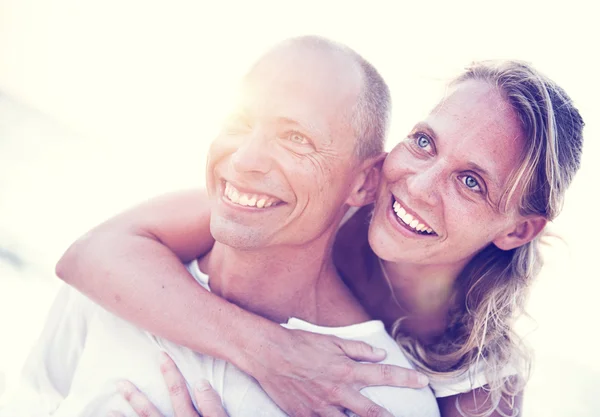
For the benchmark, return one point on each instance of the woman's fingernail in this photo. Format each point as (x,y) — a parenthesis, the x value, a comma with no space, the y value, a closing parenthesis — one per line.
(379,351)
(202,385)
(422,379)
(164,362)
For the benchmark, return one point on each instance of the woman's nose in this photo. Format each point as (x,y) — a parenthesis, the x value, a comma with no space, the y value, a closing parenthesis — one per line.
(424,185)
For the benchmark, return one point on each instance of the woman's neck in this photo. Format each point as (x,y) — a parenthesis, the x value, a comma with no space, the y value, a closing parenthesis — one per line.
(423,295)
(420,294)
(420,289)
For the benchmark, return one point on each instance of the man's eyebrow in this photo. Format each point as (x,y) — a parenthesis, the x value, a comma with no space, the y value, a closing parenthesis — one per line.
(311,128)
(237,113)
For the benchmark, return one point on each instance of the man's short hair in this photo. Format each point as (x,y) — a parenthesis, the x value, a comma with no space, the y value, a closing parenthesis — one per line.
(371,113)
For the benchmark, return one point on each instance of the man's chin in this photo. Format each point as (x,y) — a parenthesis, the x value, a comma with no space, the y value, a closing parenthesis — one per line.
(237,236)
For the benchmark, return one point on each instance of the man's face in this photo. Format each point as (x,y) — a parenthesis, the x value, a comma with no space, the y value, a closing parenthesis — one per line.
(282,167)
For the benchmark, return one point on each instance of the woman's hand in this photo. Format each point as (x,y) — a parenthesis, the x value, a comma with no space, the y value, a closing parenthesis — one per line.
(310,374)
(208,401)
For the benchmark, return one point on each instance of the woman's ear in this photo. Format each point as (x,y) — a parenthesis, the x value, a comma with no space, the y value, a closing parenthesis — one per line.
(364,187)
(523,232)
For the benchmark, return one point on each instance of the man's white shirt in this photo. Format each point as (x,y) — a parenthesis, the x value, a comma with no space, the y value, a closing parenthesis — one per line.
(84,351)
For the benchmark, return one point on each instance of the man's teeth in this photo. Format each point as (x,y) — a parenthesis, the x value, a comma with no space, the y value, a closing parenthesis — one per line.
(248,200)
(410,220)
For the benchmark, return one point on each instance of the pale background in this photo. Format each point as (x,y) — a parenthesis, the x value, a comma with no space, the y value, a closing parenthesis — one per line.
(106,103)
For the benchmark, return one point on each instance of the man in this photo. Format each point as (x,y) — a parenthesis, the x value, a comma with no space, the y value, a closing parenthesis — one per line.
(298,152)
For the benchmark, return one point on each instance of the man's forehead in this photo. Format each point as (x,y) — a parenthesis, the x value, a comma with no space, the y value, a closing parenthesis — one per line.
(301,56)
(295,87)
(297,67)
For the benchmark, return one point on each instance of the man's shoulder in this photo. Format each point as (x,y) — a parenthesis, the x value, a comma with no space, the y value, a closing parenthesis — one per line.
(405,402)
(77,305)
(372,332)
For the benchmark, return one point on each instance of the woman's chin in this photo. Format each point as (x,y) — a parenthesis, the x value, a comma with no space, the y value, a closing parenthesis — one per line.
(383,244)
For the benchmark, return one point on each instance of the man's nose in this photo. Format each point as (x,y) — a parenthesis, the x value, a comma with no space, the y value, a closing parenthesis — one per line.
(253,154)
(424,185)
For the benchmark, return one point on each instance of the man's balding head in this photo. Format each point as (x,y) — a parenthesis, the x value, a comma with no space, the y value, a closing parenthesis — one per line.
(369,114)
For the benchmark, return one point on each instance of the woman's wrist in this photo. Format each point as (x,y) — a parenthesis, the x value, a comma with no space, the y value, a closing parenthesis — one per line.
(256,349)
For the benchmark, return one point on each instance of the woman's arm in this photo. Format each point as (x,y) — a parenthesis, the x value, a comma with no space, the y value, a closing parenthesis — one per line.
(132,265)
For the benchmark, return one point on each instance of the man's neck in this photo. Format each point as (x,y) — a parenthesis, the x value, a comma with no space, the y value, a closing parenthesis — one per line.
(282,282)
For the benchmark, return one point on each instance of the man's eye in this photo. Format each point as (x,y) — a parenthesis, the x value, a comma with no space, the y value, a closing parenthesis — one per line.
(423,141)
(297,138)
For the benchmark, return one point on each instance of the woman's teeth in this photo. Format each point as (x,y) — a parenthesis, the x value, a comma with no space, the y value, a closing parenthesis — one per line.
(410,220)
(248,200)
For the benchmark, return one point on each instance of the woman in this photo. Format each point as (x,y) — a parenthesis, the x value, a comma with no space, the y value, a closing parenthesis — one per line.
(452,248)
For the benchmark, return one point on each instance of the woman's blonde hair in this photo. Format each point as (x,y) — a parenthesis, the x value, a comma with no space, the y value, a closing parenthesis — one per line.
(492,289)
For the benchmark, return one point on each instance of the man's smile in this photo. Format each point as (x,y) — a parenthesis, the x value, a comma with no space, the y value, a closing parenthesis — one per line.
(248,198)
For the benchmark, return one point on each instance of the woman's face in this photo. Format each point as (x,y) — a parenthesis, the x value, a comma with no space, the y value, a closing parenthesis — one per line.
(438,198)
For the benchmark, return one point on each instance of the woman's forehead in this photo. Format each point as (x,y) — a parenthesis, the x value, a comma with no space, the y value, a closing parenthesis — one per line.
(475,110)
(473,97)
(475,125)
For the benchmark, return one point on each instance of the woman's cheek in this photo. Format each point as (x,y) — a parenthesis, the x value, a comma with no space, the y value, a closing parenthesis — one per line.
(394,164)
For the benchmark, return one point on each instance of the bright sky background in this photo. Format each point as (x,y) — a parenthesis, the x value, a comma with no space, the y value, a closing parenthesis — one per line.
(104,104)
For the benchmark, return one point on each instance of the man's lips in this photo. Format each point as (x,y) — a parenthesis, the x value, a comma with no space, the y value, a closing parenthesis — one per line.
(248,198)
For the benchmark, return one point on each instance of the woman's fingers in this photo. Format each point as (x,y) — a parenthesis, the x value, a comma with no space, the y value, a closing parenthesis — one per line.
(138,401)
(391,375)
(361,351)
(360,405)
(178,391)
(208,401)
(380,374)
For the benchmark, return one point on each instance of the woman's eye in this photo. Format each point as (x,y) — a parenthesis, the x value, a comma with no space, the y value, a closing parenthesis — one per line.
(471,183)
(297,138)
(423,141)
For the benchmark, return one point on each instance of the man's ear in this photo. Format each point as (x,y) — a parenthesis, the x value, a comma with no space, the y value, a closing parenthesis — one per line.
(524,232)
(364,186)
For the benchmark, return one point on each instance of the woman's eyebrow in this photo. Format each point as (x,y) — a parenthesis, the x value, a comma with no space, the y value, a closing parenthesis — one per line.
(427,128)
(485,173)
